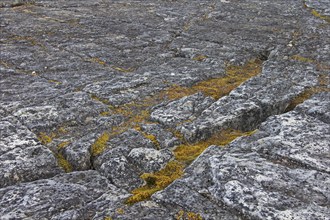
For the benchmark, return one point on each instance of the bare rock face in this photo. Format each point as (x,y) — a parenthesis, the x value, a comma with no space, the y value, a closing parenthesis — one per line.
(22,157)
(94,94)
(59,197)
(280,172)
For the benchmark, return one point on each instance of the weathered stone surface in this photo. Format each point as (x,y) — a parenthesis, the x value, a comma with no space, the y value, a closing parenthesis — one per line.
(280,172)
(250,104)
(181,110)
(59,197)
(22,157)
(149,160)
(71,71)
(114,163)
(165,138)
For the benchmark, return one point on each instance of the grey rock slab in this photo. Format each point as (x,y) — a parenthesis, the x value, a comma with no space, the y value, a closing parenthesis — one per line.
(54,198)
(57,55)
(186,108)
(279,172)
(22,157)
(253,101)
(116,167)
(115,164)
(149,160)
(165,138)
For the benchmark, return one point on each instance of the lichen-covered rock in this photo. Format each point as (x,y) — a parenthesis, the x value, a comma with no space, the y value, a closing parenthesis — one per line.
(59,197)
(255,100)
(165,138)
(114,163)
(114,86)
(22,157)
(280,172)
(187,108)
(149,160)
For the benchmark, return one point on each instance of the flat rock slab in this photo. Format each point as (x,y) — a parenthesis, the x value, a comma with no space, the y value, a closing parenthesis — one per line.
(22,157)
(273,174)
(60,197)
(72,71)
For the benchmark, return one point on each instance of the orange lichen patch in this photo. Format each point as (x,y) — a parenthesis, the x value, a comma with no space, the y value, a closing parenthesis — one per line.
(63,144)
(182,215)
(218,87)
(62,162)
(187,153)
(100,144)
(156,181)
(309,92)
(123,70)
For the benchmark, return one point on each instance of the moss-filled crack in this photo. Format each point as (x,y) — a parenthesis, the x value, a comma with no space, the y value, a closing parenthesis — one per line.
(322,86)
(183,155)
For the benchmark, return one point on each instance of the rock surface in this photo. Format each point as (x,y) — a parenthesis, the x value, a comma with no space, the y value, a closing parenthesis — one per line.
(106,91)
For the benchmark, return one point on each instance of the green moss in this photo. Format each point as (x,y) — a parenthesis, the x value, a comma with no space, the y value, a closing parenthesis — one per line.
(156,181)
(100,144)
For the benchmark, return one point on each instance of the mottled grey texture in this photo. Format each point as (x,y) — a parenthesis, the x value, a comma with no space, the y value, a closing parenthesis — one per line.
(72,70)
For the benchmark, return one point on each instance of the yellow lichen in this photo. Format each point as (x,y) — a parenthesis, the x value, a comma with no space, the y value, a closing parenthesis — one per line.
(150,137)
(63,144)
(120,69)
(44,138)
(107,218)
(318,15)
(218,87)
(120,211)
(97,60)
(100,144)
(187,153)
(182,215)
(102,100)
(55,82)
(302,59)
(157,181)
(62,162)
(105,113)
(309,92)
(199,58)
